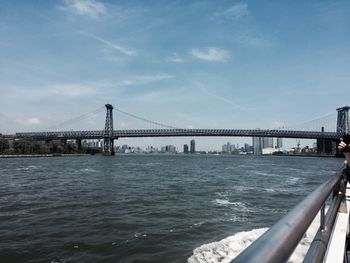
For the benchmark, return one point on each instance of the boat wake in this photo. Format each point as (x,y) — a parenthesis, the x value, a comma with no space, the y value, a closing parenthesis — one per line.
(225,250)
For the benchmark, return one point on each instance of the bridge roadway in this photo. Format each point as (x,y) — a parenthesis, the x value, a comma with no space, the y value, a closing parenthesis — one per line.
(70,135)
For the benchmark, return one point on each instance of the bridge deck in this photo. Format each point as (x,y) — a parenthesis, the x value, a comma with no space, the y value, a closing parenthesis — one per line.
(56,135)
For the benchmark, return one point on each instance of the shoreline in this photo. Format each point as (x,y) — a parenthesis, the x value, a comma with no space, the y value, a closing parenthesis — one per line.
(225,155)
(41,155)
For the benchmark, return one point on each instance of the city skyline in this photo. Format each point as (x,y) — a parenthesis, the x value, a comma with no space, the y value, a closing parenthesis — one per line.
(187,64)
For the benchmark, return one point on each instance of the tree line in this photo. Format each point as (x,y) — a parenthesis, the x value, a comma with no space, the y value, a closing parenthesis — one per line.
(32,147)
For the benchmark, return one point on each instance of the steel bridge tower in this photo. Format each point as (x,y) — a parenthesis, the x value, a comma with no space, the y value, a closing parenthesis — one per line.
(343,120)
(108,138)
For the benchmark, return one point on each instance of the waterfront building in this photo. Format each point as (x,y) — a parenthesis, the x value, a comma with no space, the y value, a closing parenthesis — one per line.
(267,142)
(225,149)
(233,148)
(279,143)
(228,147)
(269,151)
(257,145)
(151,149)
(247,147)
(185,148)
(193,146)
(168,149)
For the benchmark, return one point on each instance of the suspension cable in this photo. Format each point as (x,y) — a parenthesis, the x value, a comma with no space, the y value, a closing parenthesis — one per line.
(75,119)
(146,120)
(307,122)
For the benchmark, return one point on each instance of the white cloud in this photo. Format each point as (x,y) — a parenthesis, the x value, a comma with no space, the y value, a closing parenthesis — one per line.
(90,8)
(210,54)
(175,58)
(235,11)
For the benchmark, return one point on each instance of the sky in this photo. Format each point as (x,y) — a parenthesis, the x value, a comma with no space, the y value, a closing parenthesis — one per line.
(187,64)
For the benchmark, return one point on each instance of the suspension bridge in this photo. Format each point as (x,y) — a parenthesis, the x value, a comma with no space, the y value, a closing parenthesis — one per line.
(326,141)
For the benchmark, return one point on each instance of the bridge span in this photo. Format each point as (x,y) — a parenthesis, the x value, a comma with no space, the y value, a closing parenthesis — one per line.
(108,135)
(72,135)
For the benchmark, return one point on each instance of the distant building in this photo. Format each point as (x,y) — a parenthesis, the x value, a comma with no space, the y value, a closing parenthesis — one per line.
(225,149)
(193,146)
(169,149)
(257,145)
(279,143)
(247,147)
(185,148)
(151,149)
(269,151)
(267,142)
(229,148)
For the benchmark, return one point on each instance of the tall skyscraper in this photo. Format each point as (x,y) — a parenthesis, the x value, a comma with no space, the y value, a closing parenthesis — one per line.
(193,146)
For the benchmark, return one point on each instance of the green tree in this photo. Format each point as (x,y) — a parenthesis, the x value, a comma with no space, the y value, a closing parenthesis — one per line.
(37,148)
(4,145)
(23,147)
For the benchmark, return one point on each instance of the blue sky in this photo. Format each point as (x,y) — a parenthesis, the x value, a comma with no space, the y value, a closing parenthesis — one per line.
(195,64)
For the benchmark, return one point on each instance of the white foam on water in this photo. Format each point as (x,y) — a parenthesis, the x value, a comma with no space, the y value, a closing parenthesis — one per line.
(89,170)
(292,180)
(270,190)
(224,202)
(197,224)
(27,168)
(152,164)
(225,250)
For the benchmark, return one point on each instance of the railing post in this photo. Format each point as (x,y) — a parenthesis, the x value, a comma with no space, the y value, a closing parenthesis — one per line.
(322,226)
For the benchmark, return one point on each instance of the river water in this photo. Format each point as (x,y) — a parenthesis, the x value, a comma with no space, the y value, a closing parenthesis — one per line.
(146,208)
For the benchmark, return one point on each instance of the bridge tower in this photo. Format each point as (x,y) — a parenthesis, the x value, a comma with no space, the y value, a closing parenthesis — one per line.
(108,138)
(343,120)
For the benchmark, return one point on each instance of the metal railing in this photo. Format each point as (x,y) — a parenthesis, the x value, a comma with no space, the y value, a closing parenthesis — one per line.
(278,243)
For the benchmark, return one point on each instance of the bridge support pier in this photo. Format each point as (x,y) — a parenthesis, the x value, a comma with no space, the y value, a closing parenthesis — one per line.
(326,146)
(78,143)
(108,140)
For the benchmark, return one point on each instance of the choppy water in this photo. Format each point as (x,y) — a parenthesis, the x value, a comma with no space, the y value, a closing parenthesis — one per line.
(146,208)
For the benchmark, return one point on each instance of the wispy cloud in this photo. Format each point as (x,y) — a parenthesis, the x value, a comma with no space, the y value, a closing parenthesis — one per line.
(210,54)
(111,45)
(175,58)
(143,80)
(205,90)
(235,11)
(89,8)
